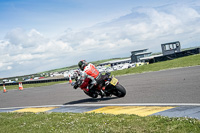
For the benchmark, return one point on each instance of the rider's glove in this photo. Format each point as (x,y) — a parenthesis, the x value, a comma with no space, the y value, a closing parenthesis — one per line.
(75,86)
(73,83)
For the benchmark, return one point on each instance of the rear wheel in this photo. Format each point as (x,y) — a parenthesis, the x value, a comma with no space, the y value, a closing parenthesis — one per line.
(119,91)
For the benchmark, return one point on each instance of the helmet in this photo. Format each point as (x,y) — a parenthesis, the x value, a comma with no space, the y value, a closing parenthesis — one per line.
(82,64)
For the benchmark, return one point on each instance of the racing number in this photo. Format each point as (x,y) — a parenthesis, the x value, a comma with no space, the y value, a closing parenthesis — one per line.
(92,71)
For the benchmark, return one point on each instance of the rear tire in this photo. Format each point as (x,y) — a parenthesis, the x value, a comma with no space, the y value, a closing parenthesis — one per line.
(119,91)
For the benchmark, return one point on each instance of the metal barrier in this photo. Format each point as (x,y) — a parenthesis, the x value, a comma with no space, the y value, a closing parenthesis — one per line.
(175,55)
(37,81)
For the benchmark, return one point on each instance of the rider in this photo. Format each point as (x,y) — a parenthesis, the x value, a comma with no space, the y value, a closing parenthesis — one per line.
(91,72)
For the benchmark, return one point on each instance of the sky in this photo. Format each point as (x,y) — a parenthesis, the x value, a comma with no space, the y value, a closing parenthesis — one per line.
(40,35)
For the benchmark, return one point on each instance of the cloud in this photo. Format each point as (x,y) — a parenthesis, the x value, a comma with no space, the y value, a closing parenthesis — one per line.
(30,52)
(27,51)
(9,67)
(142,28)
(5,66)
(158,25)
(19,37)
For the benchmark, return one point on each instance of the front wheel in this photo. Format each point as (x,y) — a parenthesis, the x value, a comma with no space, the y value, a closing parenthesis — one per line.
(119,91)
(93,95)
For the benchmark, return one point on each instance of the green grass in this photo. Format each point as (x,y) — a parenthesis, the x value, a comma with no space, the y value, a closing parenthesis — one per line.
(9,87)
(93,123)
(106,123)
(106,60)
(192,60)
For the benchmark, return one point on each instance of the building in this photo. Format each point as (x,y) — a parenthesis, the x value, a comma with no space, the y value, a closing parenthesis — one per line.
(171,48)
(167,49)
(138,54)
(116,62)
(170,51)
(150,59)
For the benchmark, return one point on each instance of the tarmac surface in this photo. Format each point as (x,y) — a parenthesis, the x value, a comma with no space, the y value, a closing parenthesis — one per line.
(178,89)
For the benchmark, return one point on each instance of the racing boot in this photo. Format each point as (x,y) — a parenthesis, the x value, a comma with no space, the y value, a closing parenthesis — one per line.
(102,94)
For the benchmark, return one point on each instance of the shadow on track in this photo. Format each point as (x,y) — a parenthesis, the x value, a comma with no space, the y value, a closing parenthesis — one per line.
(92,100)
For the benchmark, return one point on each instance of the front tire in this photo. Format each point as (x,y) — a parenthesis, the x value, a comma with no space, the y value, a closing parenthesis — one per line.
(119,91)
(93,95)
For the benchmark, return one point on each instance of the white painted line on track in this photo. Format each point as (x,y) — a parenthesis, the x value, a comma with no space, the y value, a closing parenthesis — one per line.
(126,104)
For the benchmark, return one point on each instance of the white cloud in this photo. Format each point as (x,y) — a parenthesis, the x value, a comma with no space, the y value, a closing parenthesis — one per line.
(26,50)
(31,51)
(5,66)
(9,67)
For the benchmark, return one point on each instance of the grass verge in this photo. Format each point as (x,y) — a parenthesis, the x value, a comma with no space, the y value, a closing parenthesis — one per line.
(91,122)
(187,61)
(95,123)
(10,87)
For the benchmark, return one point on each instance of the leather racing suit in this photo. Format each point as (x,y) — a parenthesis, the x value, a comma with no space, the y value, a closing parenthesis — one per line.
(91,72)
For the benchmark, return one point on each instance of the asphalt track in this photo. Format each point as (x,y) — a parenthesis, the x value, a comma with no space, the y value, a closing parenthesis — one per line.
(174,88)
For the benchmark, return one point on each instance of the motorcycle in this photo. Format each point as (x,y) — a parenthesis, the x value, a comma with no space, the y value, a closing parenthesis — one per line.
(109,86)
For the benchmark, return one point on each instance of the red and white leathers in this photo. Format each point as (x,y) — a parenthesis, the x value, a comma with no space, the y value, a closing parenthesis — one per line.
(91,72)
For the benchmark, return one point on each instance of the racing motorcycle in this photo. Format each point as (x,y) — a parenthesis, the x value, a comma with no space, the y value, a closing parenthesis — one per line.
(109,86)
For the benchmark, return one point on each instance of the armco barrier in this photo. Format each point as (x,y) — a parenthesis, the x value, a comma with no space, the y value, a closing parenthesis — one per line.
(37,81)
(175,55)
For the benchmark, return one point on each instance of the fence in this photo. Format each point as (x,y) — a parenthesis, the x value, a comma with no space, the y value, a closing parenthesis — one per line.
(175,55)
(37,81)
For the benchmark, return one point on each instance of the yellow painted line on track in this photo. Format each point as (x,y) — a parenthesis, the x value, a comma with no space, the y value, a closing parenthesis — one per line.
(137,110)
(35,110)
